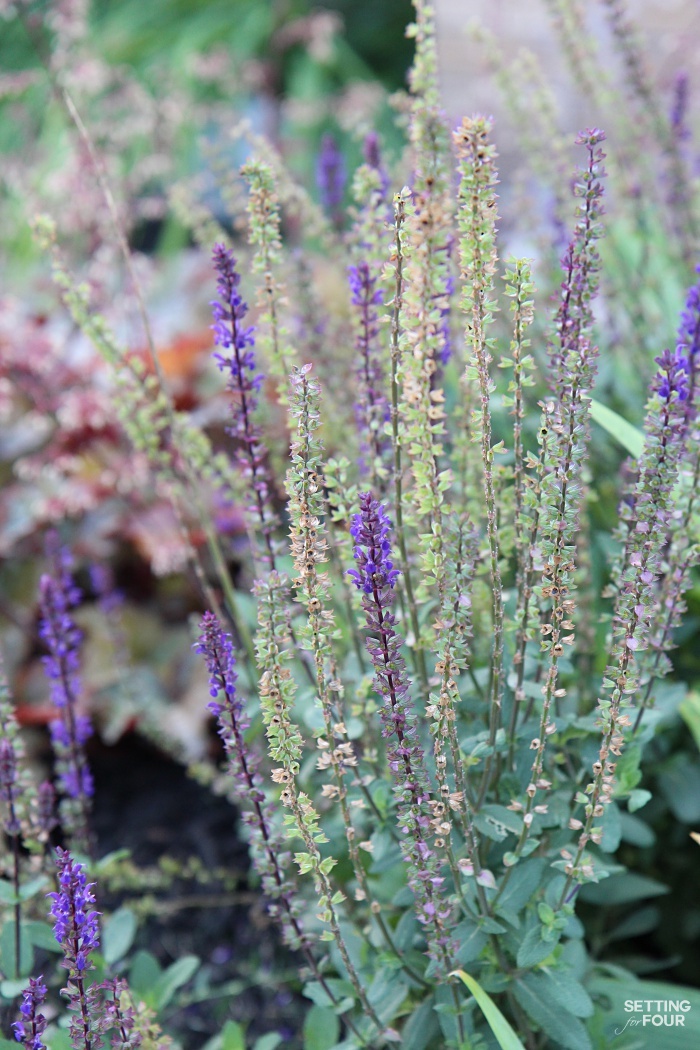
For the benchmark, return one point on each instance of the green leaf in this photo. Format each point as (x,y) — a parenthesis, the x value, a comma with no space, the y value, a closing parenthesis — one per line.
(556,1022)
(563,989)
(471,940)
(321,1029)
(177,974)
(533,949)
(31,888)
(503,1033)
(58,1038)
(118,935)
(8,951)
(232,1036)
(342,990)
(689,711)
(268,1041)
(41,935)
(622,889)
(637,799)
(145,971)
(422,1029)
(7,892)
(630,437)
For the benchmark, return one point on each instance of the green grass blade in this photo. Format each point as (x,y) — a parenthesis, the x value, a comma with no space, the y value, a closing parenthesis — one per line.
(631,438)
(504,1034)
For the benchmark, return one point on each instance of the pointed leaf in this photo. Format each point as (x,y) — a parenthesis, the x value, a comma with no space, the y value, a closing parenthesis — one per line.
(503,1033)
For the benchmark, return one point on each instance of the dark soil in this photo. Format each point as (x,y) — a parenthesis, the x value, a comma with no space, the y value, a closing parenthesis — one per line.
(145,802)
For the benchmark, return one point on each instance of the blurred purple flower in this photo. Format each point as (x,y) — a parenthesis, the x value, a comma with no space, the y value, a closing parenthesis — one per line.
(330,177)
(30,1028)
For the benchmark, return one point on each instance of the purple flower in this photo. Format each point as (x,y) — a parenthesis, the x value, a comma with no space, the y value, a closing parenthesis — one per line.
(370,529)
(46,808)
(102,580)
(243,383)
(9,788)
(581,264)
(76,926)
(689,341)
(330,177)
(376,577)
(372,407)
(29,1030)
(671,380)
(70,731)
(373,158)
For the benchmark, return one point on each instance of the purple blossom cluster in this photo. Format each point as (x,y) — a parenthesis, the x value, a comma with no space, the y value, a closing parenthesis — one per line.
(372,407)
(688,342)
(29,1030)
(671,382)
(58,595)
(76,926)
(243,383)
(375,577)
(370,529)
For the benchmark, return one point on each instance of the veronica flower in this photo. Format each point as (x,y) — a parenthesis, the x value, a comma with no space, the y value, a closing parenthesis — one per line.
(30,1028)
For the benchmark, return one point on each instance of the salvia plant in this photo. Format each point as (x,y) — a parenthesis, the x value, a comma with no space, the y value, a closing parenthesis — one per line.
(434,726)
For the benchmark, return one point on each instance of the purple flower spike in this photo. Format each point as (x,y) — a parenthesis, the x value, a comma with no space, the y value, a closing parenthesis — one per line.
(330,178)
(671,380)
(30,1028)
(370,529)
(372,408)
(76,925)
(243,383)
(372,156)
(376,577)
(70,731)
